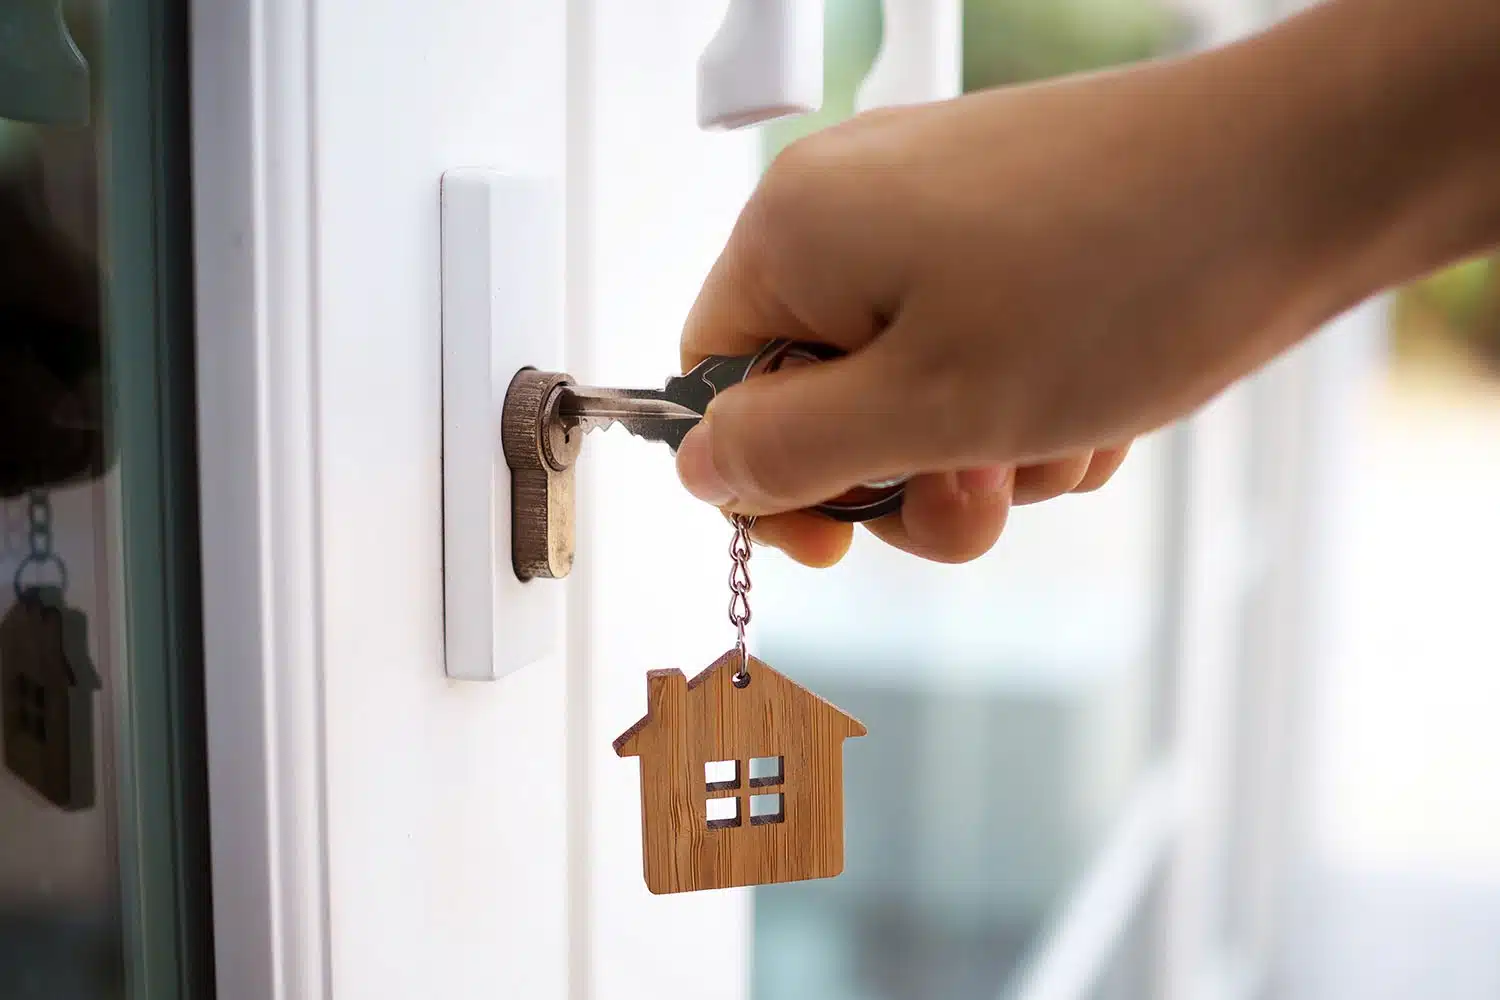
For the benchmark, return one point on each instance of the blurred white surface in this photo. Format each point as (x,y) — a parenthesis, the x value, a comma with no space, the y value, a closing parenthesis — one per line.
(1408,740)
(1400,896)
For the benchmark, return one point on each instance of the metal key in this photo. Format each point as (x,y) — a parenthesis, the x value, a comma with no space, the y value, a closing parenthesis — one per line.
(664,415)
(667,414)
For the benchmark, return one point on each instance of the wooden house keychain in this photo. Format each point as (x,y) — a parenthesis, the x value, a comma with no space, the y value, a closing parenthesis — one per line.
(742,769)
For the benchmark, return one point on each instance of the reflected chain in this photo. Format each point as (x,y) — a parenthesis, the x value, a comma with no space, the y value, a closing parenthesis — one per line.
(39,540)
(739,592)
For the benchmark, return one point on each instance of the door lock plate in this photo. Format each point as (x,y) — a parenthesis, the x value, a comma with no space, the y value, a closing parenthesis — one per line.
(502,310)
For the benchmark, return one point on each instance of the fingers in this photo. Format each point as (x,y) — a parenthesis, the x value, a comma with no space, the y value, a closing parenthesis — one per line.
(1075,474)
(797,437)
(1106,463)
(735,312)
(1035,483)
(950,517)
(811,539)
(947,517)
(789,269)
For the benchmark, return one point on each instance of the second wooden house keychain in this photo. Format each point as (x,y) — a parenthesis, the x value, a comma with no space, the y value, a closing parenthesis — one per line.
(742,769)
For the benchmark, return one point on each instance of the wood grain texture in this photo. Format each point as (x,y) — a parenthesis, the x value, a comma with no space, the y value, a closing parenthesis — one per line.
(690,723)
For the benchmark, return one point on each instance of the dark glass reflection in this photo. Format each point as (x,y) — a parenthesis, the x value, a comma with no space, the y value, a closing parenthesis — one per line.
(60,927)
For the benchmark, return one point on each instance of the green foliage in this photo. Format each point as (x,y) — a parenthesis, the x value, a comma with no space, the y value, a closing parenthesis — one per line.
(1461,294)
(1005,41)
(1008,41)
(1460,305)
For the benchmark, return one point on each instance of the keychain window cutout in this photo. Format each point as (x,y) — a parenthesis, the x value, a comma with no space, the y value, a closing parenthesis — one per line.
(31,708)
(721,774)
(690,723)
(722,813)
(770,808)
(766,771)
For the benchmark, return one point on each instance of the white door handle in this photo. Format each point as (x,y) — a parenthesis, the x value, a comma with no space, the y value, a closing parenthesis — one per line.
(765,62)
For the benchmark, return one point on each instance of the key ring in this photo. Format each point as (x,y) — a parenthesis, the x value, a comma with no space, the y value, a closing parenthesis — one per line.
(863,503)
(19,584)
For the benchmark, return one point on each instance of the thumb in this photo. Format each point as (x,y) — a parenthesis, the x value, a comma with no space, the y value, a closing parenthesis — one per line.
(800,436)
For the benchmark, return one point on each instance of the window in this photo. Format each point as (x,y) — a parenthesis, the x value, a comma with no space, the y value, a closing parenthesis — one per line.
(29,712)
(723,812)
(765,771)
(767,809)
(721,774)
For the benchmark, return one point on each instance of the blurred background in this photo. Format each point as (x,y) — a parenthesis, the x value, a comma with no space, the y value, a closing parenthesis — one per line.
(1239,704)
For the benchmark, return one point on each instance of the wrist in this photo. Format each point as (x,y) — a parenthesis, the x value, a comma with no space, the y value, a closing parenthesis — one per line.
(1388,150)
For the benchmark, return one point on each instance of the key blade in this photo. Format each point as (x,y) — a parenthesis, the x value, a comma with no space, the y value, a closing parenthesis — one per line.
(646,413)
(664,415)
(582,402)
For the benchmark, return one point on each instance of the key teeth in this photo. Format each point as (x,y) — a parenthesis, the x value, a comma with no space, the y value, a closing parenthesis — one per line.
(590,424)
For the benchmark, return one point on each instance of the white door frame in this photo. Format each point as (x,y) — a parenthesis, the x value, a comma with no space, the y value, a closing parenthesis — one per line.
(377,830)
(252,125)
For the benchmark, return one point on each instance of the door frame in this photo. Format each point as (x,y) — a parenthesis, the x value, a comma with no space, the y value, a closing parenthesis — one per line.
(347,774)
(253,184)
(146,230)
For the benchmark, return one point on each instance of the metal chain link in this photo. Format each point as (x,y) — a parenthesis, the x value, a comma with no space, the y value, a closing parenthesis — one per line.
(39,522)
(739,592)
(39,540)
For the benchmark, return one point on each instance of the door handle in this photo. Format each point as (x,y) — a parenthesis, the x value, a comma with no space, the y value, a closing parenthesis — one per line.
(765,62)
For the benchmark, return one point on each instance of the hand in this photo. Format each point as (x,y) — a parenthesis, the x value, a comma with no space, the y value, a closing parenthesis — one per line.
(1015,275)
(1028,278)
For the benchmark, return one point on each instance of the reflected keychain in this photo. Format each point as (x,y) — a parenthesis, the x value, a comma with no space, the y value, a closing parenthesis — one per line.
(742,769)
(47,681)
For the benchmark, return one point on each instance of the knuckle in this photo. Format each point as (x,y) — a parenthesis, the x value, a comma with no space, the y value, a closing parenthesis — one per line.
(790,185)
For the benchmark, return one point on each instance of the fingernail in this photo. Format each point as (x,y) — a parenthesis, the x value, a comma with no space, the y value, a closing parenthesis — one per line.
(986,481)
(695,467)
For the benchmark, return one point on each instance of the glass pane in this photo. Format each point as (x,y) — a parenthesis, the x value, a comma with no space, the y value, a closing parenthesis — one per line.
(103,874)
(1010,701)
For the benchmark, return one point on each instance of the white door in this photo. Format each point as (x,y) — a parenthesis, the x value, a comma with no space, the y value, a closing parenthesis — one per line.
(1016,818)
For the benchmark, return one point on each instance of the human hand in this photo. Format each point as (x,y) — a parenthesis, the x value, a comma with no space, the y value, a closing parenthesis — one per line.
(1028,278)
(1002,268)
